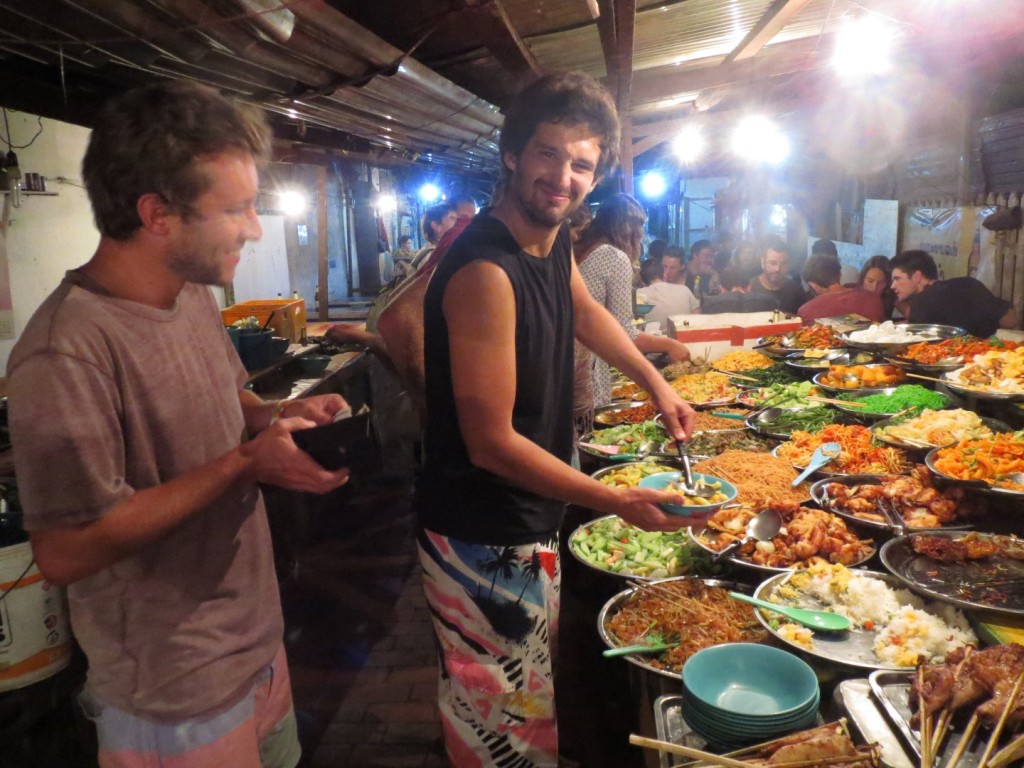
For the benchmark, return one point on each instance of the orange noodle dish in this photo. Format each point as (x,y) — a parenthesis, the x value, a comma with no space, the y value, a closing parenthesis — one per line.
(991,460)
(760,478)
(859,454)
(687,611)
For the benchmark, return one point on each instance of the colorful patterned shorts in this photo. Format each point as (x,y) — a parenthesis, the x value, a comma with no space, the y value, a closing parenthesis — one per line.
(257,732)
(495,615)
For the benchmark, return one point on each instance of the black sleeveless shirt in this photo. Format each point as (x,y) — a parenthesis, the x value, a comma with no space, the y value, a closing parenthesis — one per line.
(455,498)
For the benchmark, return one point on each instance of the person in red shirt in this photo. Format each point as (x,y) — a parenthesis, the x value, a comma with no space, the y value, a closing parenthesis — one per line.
(821,272)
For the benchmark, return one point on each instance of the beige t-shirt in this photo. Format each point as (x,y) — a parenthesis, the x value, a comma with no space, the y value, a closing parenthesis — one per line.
(107,397)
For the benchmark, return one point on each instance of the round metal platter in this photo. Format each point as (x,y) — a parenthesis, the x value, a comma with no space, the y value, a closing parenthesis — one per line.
(702,536)
(981,485)
(578,533)
(822,499)
(980,393)
(667,461)
(852,410)
(611,415)
(826,472)
(613,606)
(774,349)
(934,369)
(741,426)
(833,389)
(654,449)
(808,365)
(854,648)
(994,424)
(993,584)
(756,422)
(928,333)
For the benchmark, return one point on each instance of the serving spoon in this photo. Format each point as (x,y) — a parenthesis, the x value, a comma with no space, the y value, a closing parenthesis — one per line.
(822,456)
(824,620)
(764,526)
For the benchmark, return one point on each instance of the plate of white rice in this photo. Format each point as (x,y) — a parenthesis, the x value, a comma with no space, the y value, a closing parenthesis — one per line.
(892,628)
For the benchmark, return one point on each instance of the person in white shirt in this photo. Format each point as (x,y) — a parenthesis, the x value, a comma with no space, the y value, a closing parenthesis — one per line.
(668,299)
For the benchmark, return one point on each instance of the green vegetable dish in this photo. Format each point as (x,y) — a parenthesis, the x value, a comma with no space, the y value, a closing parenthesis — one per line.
(613,545)
(909,397)
(630,434)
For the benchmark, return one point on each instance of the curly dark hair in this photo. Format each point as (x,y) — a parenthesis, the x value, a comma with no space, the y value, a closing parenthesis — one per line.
(570,98)
(151,140)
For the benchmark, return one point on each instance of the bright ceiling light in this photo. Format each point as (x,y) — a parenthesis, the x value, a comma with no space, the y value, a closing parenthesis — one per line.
(864,47)
(688,145)
(653,185)
(387,203)
(292,203)
(759,140)
(429,193)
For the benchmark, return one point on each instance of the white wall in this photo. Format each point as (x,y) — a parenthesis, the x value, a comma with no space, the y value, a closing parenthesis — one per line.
(46,235)
(49,235)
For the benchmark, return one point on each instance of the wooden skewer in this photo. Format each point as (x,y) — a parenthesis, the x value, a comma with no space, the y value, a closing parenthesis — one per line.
(1012,751)
(678,749)
(754,749)
(947,713)
(926,723)
(734,375)
(998,730)
(815,399)
(965,739)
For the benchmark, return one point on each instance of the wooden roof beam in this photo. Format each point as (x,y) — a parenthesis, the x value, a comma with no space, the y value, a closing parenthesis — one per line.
(661,83)
(778,15)
(494,30)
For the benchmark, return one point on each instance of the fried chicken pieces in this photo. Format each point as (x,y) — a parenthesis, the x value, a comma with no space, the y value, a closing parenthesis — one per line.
(826,741)
(981,678)
(913,496)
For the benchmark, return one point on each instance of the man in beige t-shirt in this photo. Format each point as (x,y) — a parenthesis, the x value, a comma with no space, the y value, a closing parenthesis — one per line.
(138,451)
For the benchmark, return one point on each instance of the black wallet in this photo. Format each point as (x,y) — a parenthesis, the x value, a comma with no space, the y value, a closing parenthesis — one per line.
(345,443)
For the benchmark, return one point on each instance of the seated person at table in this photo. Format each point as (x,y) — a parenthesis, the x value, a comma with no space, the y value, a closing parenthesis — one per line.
(960,301)
(832,299)
(774,279)
(737,296)
(876,277)
(701,276)
(668,298)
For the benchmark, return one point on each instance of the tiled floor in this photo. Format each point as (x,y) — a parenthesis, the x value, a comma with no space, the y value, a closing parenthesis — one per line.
(362,658)
(360,646)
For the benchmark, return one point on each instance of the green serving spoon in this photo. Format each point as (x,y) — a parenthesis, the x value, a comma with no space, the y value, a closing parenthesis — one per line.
(830,622)
(626,650)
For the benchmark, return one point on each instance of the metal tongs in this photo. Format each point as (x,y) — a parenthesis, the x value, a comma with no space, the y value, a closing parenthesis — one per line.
(892,516)
(691,489)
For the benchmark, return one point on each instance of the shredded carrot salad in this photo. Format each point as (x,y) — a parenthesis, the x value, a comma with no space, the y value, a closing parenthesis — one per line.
(859,453)
(990,460)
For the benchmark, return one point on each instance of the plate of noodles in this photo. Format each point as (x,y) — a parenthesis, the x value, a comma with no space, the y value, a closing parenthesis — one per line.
(698,613)
(760,478)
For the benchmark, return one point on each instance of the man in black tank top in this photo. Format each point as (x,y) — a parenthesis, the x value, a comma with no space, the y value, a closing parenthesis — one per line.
(500,316)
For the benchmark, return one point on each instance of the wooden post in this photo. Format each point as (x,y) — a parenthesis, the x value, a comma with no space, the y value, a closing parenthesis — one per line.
(322,302)
(626,153)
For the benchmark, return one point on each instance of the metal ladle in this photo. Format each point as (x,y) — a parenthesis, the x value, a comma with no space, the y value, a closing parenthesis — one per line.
(764,526)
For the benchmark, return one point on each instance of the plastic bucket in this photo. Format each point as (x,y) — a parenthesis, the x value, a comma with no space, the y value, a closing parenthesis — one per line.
(35,636)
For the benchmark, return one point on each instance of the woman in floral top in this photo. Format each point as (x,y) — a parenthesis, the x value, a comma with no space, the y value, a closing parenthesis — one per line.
(606,255)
